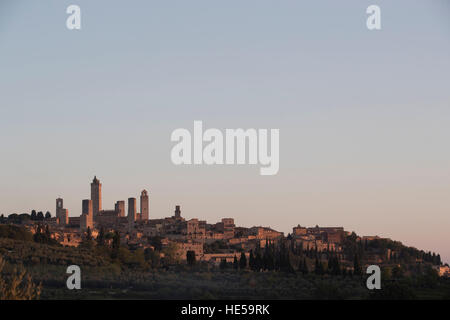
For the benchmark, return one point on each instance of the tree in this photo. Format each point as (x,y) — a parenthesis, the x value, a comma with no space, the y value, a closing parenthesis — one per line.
(333,266)
(319,269)
(243,261)
(152,257)
(24,217)
(357,270)
(89,234)
(101,237)
(115,245)
(438,260)
(251,261)
(44,236)
(87,241)
(47,232)
(33,215)
(258,261)
(223,264)
(397,272)
(268,260)
(155,242)
(190,257)
(19,286)
(303,266)
(15,232)
(171,253)
(344,272)
(40,216)
(48,215)
(116,240)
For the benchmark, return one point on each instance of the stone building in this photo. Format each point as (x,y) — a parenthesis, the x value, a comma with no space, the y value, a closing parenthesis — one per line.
(227,224)
(120,208)
(184,247)
(299,231)
(61,214)
(87,217)
(194,229)
(328,234)
(74,222)
(265,233)
(132,209)
(177,212)
(144,206)
(96,197)
(107,218)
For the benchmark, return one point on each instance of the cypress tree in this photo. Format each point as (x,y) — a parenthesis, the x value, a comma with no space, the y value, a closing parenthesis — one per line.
(101,237)
(235,263)
(251,261)
(223,264)
(356,266)
(242,261)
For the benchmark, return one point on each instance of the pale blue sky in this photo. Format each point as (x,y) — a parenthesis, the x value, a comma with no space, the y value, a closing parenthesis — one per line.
(363,115)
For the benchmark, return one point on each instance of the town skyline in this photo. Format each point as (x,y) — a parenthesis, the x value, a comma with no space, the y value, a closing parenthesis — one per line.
(99,206)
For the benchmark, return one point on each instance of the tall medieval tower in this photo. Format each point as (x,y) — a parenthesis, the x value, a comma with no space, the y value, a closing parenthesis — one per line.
(61,213)
(144,205)
(177,212)
(120,208)
(96,197)
(131,210)
(86,218)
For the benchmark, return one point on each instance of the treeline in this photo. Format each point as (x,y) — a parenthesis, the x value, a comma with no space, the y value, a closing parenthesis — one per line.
(15,233)
(42,234)
(285,257)
(127,256)
(387,249)
(21,218)
(106,246)
(288,256)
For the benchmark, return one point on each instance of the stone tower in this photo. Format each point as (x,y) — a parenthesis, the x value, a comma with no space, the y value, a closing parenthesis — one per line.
(144,205)
(132,209)
(120,208)
(59,205)
(61,213)
(86,219)
(96,196)
(177,212)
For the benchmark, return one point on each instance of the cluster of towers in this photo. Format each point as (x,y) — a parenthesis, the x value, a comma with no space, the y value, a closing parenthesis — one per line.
(119,208)
(133,215)
(92,209)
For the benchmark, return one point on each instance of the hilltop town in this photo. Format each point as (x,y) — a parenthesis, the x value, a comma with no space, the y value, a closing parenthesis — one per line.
(215,243)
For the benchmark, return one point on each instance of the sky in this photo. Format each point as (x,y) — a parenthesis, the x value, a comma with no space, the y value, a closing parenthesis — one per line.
(363,115)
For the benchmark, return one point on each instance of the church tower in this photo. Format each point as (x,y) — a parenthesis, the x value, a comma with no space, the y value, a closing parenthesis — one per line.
(177,212)
(96,197)
(61,213)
